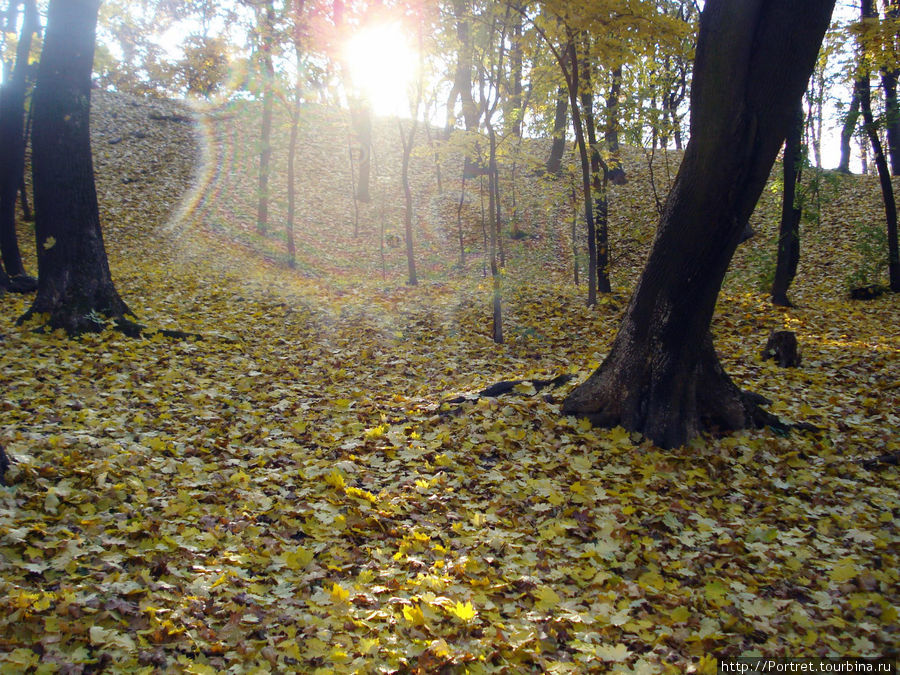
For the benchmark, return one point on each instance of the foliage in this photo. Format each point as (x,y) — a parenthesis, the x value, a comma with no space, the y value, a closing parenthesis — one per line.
(290,493)
(871,244)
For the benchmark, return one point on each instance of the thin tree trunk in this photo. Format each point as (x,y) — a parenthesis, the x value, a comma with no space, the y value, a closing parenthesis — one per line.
(558,148)
(578,126)
(265,136)
(884,174)
(12,159)
(616,171)
(291,192)
(494,224)
(789,229)
(599,178)
(848,129)
(889,77)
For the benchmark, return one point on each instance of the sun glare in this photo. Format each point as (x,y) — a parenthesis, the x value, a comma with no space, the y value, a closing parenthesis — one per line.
(382,67)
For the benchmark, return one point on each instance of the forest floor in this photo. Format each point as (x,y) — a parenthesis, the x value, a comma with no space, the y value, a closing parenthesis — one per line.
(292,493)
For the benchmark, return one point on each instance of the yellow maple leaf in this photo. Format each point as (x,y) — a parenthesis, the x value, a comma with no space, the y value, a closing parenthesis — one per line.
(464,611)
(49,243)
(339,593)
(414,615)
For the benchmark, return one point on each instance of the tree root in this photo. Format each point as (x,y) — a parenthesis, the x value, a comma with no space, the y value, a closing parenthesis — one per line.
(506,386)
(4,465)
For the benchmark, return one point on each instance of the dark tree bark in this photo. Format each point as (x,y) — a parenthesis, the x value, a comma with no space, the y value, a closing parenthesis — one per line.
(848,129)
(663,377)
(616,171)
(554,161)
(267,41)
(573,81)
(599,178)
(889,77)
(75,287)
(12,159)
(789,229)
(884,174)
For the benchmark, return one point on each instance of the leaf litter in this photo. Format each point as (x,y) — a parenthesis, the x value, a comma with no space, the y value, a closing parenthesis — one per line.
(290,494)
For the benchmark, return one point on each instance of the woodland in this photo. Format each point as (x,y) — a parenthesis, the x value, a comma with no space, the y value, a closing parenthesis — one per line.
(526,374)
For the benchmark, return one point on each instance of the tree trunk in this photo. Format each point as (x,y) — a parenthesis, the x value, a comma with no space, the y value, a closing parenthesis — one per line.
(12,160)
(361,118)
(616,171)
(884,174)
(462,81)
(514,112)
(494,224)
(848,129)
(892,117)
(292,151)
(554,161)
(662,377)
(789,229)
(599,178)
(578,127)
(891,105)
(267,23)
(75,286)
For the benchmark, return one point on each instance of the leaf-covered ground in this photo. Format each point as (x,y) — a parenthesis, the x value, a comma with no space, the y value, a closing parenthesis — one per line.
(292,494)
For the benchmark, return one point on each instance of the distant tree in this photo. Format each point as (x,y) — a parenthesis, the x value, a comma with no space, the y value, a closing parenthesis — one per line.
(12,159)
(265,11)
(204,67)
(558,146)
(75,287)
(848,128)
(662,376)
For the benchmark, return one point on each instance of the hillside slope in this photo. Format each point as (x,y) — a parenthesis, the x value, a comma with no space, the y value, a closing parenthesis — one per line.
(291,493)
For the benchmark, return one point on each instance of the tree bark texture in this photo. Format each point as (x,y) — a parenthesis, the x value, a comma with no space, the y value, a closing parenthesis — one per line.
(789,229)
(74,286)
(12,141)
(662,376)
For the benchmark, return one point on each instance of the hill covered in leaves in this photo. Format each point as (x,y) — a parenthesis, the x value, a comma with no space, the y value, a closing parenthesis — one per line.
(292,493)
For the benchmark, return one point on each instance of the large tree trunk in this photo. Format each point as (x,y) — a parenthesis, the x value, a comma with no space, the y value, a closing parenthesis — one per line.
(12,159)
(789,229)
(75,286)
(662,377)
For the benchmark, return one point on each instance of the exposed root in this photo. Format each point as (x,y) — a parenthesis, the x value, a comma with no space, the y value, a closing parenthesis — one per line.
(506,386)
